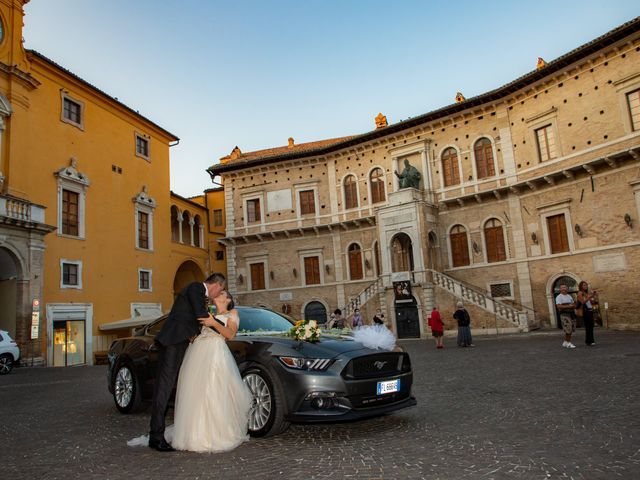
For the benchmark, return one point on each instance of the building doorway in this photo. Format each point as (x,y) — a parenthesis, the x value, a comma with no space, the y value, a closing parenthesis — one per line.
(8,292)
(315,311)
(69,343)
(572,285)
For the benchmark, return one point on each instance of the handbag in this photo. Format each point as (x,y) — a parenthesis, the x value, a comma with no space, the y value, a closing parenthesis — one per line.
(579,310)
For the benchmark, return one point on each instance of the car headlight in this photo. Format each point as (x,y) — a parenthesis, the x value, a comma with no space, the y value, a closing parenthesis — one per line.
(301,363)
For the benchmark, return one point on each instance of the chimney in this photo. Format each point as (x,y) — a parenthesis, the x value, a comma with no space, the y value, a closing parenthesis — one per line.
(291,142)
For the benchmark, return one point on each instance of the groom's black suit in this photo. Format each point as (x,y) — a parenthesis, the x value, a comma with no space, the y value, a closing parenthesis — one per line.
(181,324)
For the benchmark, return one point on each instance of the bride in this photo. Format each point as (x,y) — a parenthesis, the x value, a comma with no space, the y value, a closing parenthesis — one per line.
(212,403)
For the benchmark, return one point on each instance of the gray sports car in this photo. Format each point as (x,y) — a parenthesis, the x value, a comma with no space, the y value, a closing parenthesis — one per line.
(334,379)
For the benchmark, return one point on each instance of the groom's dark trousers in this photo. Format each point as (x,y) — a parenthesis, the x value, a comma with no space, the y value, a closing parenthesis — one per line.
(173,340)
(169,362)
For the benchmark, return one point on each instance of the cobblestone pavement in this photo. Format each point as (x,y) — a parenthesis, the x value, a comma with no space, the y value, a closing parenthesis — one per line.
(514,407)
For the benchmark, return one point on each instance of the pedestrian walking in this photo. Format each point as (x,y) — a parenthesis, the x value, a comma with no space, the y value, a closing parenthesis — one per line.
(437,327)
(464,326)
(566,306)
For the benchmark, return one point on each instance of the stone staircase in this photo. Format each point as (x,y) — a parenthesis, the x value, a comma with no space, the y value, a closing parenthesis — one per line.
(371,291)
(518,315)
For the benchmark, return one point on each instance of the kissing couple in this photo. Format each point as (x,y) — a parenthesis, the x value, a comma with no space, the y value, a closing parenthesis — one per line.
(212,403)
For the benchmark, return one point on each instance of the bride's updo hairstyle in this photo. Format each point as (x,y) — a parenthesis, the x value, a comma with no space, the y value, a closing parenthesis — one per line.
(231,302)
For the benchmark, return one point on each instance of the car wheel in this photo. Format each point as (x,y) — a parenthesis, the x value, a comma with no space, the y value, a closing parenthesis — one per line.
(6,363)
(266,416)
(126,390)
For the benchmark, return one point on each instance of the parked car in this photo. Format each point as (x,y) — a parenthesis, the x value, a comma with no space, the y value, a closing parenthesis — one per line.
(291,381)
(9,352)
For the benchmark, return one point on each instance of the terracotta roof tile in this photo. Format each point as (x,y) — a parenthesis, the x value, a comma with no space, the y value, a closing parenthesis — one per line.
(277,151)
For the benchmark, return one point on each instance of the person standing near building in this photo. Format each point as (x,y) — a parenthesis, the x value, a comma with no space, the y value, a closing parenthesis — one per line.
(437,327)
(378,318)
(585,300)
(464,326)
(339,319)
(566,305)
(356,320)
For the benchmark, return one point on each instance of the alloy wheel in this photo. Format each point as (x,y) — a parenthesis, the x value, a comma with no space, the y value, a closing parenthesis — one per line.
(5,365)
(261,403)
(123,387)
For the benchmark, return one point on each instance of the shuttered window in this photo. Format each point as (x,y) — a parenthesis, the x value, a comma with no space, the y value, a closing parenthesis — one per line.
(450,170)
(311,270)
(484,158)
(633,99)
(355,262)
(459,246)
(546,143)
(257,276)
(376,179)
(494,238)
(559,242)
(253,210)
(350,192)
(307,202)
(143,230)
(70,213)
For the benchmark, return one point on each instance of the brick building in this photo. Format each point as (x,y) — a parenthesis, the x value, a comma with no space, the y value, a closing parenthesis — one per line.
(529,185)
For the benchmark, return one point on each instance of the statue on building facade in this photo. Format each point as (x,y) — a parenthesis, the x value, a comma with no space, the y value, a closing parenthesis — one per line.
(410,176)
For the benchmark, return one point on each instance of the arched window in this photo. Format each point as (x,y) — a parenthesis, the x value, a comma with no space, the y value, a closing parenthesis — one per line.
(175,224)
(350,192)
(196,231)
(355,262)
(186,228)
(484,158)
(459,246)
(376,180)
(450,169)
(494,241)
(401,253)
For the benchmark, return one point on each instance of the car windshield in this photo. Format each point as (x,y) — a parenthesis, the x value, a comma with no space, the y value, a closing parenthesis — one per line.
(258,319)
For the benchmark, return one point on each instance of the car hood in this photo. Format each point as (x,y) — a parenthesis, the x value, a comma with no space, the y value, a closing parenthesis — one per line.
(327,347)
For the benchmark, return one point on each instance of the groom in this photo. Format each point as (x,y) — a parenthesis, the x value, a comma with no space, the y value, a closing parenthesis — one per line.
(183,323)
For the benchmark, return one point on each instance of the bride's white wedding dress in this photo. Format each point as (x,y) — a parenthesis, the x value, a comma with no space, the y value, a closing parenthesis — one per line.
(212,403)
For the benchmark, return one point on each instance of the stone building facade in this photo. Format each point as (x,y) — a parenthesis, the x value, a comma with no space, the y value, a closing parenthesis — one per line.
(532,184)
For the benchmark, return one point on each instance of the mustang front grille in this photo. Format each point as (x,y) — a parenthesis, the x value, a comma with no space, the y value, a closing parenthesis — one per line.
(377,365)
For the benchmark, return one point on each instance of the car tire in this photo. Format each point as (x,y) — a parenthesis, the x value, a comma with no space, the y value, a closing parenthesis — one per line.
(126,389)
(6,363)
(267,414)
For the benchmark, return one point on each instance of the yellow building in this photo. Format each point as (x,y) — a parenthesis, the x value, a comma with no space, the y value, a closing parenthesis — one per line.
(86,214)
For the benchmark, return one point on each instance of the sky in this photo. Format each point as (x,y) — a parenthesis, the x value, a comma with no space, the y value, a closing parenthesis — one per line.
(253,73)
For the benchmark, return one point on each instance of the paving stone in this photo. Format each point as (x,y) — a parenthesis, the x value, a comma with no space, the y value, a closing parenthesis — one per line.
(513,407)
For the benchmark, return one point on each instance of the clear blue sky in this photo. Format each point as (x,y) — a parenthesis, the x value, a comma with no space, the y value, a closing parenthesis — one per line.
(253,73)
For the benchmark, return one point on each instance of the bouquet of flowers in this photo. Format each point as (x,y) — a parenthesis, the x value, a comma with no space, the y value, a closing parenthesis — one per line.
(305,330)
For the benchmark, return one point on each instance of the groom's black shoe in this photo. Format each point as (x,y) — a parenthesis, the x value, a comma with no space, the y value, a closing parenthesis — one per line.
(161,445)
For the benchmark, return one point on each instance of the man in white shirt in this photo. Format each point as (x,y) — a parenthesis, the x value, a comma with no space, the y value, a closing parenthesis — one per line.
(566,306)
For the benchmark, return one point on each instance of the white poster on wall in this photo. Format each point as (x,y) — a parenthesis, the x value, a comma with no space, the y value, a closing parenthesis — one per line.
(279,200)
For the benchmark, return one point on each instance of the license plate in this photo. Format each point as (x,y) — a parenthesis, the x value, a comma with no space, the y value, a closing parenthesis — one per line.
(389,386)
